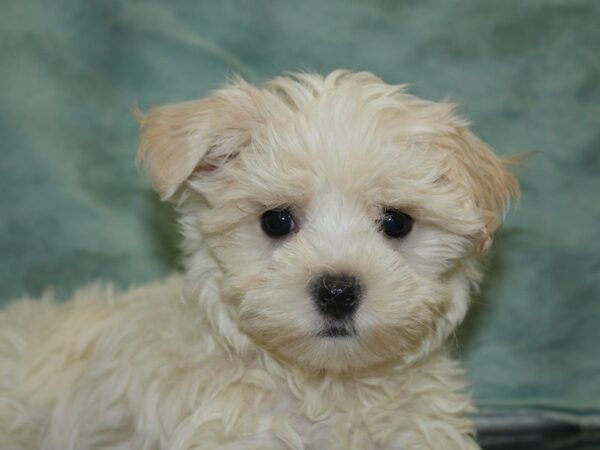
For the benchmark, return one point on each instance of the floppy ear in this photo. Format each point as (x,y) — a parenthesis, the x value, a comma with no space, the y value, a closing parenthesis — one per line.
(197,136)
(486,177)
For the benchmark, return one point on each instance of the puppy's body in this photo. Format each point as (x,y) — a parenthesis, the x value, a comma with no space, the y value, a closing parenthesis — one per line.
(142,370)
(333,229)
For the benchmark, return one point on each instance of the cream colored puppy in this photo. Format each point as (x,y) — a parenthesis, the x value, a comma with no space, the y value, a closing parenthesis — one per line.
(333,230)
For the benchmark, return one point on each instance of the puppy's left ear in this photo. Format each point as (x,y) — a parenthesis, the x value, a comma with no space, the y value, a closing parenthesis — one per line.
(488,179)
(198,136)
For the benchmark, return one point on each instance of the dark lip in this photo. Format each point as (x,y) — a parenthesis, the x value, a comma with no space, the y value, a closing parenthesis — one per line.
(337,331)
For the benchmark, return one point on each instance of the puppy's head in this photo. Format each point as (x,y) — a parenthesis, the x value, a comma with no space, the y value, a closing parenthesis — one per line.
(346,216)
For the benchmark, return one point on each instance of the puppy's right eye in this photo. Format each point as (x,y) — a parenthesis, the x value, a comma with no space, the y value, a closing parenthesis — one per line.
(277,222)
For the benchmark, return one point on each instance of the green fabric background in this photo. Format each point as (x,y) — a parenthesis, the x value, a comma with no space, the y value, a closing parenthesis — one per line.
(73,209)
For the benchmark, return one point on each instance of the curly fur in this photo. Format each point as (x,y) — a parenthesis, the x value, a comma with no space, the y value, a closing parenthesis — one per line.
(230,355)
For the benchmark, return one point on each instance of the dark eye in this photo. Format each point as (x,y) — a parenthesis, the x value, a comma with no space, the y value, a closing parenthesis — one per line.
(277,222)
(395,224)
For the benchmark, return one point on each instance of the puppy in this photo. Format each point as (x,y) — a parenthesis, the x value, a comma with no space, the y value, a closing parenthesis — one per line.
(333,229)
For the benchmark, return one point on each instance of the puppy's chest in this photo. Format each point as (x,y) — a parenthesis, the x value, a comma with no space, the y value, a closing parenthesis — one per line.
(321,418)
(294,419)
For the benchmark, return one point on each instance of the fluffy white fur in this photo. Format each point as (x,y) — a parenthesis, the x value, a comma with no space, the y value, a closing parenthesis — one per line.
(229,356)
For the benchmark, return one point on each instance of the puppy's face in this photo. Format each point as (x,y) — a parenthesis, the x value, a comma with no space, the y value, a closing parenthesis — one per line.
(346,215)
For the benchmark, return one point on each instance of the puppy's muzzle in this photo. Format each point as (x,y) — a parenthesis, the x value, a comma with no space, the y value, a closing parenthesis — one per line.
(336,296)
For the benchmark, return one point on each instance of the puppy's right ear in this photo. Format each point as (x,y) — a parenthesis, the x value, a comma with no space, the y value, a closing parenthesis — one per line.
(182,139)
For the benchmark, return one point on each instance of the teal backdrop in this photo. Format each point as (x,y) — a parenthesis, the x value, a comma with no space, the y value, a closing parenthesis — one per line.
(73,209)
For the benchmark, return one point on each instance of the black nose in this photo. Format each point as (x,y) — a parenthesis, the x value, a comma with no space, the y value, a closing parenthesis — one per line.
(337,296)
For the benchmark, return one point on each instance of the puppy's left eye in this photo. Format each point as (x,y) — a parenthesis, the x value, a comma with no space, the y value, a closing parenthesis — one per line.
(395,224)
(277,222)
